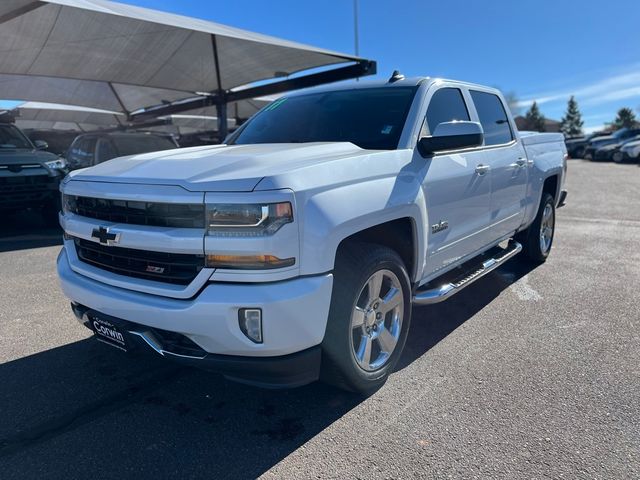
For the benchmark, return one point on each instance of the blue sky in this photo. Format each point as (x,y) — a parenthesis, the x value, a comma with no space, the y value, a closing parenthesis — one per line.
(544,50)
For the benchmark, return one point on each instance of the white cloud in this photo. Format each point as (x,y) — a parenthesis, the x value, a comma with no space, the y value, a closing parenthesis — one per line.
(593,128)
(616,87)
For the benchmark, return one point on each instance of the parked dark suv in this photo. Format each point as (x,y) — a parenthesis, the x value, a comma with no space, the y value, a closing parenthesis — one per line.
(93,148)
(617,137)
(29,176)
(58,141)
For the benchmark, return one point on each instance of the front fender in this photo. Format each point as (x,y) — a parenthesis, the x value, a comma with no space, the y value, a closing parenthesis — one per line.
(332,215)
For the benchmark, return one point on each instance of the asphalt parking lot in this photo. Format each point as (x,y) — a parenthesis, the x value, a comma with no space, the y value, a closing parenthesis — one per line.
(529,373)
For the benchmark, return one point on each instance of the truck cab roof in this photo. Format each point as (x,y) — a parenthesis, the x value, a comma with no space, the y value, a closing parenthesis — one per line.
(392,82)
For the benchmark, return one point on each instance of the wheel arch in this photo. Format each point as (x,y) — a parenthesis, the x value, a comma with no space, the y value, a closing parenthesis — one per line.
(400,235)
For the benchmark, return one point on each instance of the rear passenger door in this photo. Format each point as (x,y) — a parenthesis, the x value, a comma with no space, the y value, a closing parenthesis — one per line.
(507,161)
(457,188)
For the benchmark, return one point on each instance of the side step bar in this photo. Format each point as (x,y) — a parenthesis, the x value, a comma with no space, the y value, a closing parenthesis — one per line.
(440,294)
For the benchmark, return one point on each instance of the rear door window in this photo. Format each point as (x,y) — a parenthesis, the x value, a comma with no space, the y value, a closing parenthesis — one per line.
(446,105)
(493,118)
(132,145)
(105,151)
(81,153)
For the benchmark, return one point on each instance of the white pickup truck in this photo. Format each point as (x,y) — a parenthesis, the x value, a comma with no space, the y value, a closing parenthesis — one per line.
(295,251)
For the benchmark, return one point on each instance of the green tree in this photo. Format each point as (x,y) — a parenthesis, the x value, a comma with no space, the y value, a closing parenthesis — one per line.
(571,124)
(534,120)
(625,119)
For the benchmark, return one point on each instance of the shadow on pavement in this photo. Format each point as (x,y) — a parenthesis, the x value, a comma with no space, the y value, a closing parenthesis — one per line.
(430,324)
(85,410)
(25,230)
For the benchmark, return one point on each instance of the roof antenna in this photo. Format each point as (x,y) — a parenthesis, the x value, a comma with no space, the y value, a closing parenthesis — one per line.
(395,76)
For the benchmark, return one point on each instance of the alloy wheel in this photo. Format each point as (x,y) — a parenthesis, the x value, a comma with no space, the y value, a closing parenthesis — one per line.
(376,320)
(546,228)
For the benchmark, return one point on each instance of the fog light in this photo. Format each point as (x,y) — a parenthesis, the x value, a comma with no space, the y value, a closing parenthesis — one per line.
(250,320)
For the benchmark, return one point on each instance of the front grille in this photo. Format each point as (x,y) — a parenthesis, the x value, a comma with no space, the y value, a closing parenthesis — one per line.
(178,215)
(18,168)
(26,188)
(176,268)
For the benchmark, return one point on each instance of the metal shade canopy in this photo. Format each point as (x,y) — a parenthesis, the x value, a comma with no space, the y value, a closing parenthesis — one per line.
(54,116)
(62,117)
(124,58)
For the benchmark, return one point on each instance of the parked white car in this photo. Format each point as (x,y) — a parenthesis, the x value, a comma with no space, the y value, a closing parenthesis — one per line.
(296,251)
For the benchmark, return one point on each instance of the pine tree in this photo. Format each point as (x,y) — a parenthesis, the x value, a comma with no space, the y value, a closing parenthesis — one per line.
(625,119)
(571,124)
(534,119)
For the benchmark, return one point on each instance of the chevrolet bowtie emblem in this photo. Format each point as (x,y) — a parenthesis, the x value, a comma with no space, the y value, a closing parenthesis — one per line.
(104,236)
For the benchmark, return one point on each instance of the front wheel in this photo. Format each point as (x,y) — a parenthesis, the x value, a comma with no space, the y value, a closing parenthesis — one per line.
(369,317)
(538,238)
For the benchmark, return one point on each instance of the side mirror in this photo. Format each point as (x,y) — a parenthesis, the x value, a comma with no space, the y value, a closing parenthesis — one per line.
(452,136)
(41,145)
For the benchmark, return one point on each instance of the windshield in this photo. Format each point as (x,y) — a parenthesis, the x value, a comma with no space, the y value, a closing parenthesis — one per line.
(131,145)
(12,138)
(371,118)
(619,133)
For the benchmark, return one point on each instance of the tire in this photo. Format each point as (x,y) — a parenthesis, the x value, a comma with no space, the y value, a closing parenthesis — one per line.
(535,248)
(352,314)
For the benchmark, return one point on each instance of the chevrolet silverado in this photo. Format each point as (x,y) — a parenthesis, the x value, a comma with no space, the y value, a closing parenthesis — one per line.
(296,250)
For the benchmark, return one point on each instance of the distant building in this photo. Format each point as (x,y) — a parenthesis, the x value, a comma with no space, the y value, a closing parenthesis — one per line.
(549,125)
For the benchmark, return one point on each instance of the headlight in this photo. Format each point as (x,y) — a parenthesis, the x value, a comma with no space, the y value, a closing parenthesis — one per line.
(247,220)
(68,203)
(58,164)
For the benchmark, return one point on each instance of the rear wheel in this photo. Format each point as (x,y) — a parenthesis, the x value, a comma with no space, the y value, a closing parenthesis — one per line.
(538,238)
(369,317)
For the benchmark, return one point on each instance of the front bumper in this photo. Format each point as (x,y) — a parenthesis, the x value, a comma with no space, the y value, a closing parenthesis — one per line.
(283,371)
(294,312)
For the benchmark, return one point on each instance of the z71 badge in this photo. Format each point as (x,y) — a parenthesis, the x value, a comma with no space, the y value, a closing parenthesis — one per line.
(440,226)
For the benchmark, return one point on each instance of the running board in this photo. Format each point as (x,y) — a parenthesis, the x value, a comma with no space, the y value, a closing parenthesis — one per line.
(440,294)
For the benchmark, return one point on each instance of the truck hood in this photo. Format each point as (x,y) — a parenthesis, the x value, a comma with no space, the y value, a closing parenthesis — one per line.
(24,157)
(221,168)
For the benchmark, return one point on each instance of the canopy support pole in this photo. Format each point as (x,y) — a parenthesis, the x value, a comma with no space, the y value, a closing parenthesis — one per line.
(119,100)
(221,113)
(221,100)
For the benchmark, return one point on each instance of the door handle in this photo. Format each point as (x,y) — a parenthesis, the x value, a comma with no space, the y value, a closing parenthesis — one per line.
(482,169)
(521,162)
